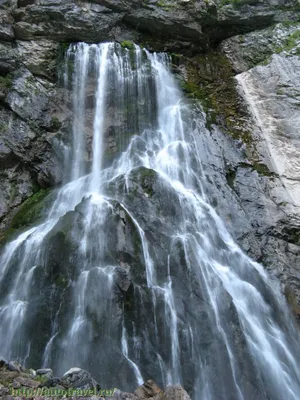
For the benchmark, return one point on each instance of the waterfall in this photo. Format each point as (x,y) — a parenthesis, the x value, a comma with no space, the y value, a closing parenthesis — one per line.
(132,275)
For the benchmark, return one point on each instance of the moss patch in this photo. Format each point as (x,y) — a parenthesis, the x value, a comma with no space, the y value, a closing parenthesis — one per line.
(292,300)
(291,235)
(55,124)
(127,44)
(30,210)
(262,169)
(230,177)
(290,42)
(41,378)
(146,177)
(210,79)
(6,81)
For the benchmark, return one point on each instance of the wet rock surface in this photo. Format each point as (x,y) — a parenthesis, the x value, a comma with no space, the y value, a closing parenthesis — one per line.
(256,192)
(271,94)
(35,33)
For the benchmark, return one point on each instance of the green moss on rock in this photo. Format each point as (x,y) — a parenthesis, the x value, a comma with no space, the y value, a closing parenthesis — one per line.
(210,79)
(30,211)
(127,44)
(55,124)
(146,178)
(292,300)
(230,177)
(290,43)
(262,169)
(6,81)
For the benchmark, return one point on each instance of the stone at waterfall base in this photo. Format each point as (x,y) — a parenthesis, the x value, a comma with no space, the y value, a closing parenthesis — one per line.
(15,380)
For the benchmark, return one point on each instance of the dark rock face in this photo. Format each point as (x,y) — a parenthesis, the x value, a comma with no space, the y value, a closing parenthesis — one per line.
(30,121)
(175,24)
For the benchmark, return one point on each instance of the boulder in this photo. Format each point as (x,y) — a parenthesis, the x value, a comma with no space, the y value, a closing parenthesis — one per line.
(78,378)
(175,392)
(14,366)
(52,382)
(27,382)
(147,390)
(45,372)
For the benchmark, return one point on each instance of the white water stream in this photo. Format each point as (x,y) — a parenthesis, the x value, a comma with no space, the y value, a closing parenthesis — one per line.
(215,323)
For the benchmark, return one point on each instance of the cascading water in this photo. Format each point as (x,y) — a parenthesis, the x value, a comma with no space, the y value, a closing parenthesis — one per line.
(133,275)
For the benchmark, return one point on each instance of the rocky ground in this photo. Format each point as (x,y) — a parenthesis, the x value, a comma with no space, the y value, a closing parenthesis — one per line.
(19,383)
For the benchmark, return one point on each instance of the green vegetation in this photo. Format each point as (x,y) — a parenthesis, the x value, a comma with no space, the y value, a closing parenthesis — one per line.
(210,80)
(262,169)
(291,235)
(63,63)
(55,124)
(290,42)
(33,125)
(265,62)
(13,191)
(200,93)
(259,167)
(3,127)
(147,178)
(166,6)
(41,378)
(30,210)
(64,46)
(127,44)
(61,281)
(6,81)
(163,5)
(230,177)
(292,300)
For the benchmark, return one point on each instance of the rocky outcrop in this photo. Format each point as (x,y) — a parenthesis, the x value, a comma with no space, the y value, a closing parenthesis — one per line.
(32,115)
(179,23)
(259,156)
(76,383)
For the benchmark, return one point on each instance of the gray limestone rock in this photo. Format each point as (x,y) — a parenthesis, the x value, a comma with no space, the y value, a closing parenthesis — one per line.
(6,26)
(79,379)
(40,56)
